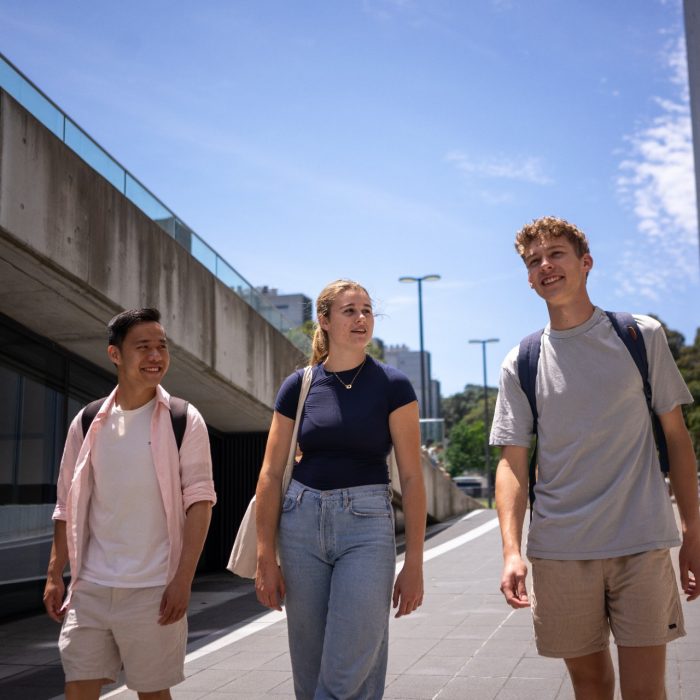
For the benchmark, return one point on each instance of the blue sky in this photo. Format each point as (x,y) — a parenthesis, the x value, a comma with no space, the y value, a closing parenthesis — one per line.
(314,139)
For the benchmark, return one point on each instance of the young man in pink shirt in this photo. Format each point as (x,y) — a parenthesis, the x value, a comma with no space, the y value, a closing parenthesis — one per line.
(131,517)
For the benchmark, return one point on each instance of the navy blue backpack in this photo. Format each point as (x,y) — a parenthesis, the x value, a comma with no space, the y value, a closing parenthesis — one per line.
(628,330)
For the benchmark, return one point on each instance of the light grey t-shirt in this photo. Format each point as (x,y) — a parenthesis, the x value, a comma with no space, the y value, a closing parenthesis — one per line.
(599,492)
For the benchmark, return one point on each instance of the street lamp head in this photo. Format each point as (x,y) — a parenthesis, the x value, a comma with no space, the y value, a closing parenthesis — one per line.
(420,280)
(488,340)
(424,278)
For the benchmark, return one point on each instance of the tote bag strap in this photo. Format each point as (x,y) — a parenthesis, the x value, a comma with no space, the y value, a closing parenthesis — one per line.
(305,385)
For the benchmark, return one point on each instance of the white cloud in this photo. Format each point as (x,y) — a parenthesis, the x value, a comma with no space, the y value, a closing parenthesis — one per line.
(657,183)
(528,169)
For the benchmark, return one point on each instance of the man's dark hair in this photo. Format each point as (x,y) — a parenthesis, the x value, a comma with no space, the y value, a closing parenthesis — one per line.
(119,326)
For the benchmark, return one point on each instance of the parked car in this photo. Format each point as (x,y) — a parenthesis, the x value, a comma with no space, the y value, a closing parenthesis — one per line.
(471,485)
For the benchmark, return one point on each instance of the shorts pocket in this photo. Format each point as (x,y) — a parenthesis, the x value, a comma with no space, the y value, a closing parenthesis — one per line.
(375,505)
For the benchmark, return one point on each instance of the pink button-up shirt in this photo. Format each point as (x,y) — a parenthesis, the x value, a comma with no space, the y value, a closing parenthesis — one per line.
(183,479)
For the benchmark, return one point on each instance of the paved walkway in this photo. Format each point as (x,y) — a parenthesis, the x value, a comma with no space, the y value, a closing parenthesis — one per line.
(463,643)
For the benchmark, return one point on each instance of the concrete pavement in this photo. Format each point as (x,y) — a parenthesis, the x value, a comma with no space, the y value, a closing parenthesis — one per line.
(463,643)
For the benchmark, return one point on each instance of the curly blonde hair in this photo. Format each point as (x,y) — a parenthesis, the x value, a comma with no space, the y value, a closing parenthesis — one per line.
(324,302)
(548,227)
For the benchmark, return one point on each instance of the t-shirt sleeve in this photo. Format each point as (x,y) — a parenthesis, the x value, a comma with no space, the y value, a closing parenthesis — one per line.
(668,389)
(288,395)
(401,391)
(512,420)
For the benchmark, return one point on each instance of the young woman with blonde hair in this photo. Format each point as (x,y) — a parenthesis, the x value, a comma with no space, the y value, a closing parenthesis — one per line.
(335,528)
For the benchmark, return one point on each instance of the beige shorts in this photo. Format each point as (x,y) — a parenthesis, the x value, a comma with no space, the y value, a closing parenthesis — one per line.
(575,604)
(106,628)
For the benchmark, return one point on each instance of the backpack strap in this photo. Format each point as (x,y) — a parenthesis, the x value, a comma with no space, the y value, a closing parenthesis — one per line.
(178,417)
(89,413)
(528,358)
(628,330)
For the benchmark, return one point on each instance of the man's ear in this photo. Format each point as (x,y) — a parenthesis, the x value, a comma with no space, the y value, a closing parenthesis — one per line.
(114,354)
(587,262)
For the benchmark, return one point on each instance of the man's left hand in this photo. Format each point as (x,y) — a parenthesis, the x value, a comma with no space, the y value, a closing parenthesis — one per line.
(173,605)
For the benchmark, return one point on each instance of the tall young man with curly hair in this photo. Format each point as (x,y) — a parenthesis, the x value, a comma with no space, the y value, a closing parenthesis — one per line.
(602,522)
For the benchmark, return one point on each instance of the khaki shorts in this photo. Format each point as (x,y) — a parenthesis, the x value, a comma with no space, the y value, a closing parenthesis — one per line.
(106,628)
(575,604)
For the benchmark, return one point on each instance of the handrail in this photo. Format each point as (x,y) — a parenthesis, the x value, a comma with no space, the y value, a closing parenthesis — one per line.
(16,84)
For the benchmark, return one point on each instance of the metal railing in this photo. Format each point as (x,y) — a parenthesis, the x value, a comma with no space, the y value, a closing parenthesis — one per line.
(59,123)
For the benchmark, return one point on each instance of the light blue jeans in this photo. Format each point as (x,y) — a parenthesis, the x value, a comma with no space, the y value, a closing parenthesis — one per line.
(338,559)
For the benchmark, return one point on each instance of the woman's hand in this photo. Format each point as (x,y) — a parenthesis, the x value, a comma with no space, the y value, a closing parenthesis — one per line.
(269,584)
(408,589)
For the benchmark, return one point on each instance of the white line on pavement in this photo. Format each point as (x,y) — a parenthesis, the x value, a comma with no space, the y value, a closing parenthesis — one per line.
(457,541)
(251,628)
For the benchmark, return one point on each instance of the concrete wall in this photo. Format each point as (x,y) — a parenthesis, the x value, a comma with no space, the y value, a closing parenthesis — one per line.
(443,498)
(74,251)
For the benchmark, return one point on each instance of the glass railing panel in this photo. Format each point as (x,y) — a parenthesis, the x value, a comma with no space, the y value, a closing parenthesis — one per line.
(272,314)
(300,339)
(168,225)
(204,253)
(150,205)
(31,99)
(230,277)
(183,235)
(252,298)
(93,155)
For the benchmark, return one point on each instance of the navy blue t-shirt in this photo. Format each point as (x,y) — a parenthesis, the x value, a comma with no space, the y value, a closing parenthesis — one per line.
(344,433)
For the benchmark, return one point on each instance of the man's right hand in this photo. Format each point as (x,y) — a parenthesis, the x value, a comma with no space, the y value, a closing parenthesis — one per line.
(513,582)
(269,585)
(54,592)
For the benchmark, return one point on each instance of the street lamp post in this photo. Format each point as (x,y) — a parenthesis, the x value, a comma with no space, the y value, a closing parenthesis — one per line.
(420,280)
(487,456)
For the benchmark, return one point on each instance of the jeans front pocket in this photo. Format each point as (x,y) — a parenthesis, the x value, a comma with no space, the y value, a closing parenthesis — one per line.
(371,505)
(289,503)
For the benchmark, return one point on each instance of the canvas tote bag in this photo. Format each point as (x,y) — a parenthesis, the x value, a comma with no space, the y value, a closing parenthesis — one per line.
(243,559)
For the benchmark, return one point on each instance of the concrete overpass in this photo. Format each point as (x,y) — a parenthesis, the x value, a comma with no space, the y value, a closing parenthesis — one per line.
(74,251)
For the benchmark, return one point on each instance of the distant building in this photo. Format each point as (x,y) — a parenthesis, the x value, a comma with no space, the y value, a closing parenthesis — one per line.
(296,308)
(435,399)
(409,362)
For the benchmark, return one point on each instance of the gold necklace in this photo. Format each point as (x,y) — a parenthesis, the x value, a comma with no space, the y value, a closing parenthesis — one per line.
(349,386)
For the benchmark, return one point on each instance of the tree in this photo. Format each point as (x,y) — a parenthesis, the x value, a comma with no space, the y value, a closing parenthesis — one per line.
(464,426)
(469,402)
(465,451)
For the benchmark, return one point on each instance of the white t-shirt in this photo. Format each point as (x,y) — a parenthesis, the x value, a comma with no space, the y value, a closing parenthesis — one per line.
(600,492)
(128,539)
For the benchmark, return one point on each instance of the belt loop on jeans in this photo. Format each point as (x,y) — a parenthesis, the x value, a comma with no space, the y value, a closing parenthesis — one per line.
(346,499)
(299,495)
